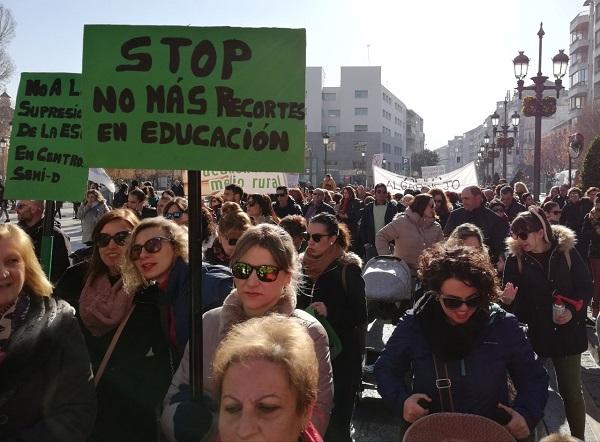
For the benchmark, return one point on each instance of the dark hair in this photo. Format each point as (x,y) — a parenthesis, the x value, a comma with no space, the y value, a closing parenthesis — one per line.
(168,192)
(135,183)
(577,190)
(149,190)
(284,188)
(138,194)
(506,189)
(468,265)
(264,203)
(295,225)
(123,188)
(209,227)
(96,265)
(333,228)
(549,205)
(337,197)
(496,203)
(378,185)
(351,191)
(446,206)
(237,190)
(452,196)
(531,221)
(498,188)
(179,202)
(420,203)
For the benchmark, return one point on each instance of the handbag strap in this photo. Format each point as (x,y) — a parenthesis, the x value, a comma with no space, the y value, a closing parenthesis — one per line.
(443,385)
(111,347)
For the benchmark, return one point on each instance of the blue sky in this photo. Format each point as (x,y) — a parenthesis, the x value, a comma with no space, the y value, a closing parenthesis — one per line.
(450,61)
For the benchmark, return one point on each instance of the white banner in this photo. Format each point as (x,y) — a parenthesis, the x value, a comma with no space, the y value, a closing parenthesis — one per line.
(99,176)
(214,182)
(432,171)
(377,160)
(456,180)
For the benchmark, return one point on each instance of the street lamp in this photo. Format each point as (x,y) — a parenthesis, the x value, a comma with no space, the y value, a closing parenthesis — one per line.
(3,152)
(364,164)
(325,146)
(539,106)
(490,149)
(505,142)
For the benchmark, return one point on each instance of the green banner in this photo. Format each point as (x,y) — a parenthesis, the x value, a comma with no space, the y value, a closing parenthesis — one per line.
(45,157)
(170,97)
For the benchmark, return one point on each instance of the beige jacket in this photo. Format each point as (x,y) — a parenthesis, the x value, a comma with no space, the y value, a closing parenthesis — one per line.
(411,235)
(215,325)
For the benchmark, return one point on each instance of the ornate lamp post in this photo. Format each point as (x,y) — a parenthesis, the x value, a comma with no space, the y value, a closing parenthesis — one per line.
(505,142)
(539,106)
(364,165)
(326,147)
(491,151)
(3,156)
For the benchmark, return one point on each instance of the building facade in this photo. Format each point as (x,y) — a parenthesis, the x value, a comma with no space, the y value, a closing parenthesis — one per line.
(361,118)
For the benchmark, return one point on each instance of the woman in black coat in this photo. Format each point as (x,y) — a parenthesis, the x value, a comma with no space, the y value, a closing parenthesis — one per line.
(349,213)
(545,268)
(46,394)
(590,244)
(138,371)
(335,289)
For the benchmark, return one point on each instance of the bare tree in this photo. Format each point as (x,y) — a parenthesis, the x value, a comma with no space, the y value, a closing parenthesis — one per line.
(7,32)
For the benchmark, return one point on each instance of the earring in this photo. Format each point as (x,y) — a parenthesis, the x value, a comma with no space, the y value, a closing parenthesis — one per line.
(330,243)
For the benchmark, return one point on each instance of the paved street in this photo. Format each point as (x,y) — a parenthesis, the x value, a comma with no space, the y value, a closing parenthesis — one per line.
(374,423)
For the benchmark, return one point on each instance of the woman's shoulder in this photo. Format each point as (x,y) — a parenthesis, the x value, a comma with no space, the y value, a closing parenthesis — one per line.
(351,259)
(312,324)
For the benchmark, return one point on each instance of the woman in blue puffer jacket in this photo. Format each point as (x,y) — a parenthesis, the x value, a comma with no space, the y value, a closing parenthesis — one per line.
(459,348)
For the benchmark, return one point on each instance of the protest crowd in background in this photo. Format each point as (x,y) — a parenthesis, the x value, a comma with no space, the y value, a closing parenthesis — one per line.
(296,256)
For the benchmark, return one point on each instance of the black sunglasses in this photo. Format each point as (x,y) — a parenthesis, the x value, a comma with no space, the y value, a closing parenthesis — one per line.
(174,215)
(153,245)
(120,238)
(232,241)
(316,237)
(455,303)
(265,273)
(521,235)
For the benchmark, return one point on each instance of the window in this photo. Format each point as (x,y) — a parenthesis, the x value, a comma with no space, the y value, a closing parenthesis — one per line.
(386,147)
(397,150)
(397,134)
(361,111)
(361,94)
(598,38)
(386,114)
(331,130)
(361,128)
(386,131)
(358,164)
(576,35)
(577,102)
(387,98)
(578,77)
(328,96)
(597,63)
(333,113)
(578,57)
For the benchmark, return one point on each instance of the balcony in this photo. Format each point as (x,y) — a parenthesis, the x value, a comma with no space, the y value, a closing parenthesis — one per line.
(578,45)
(582,18)
(581,88)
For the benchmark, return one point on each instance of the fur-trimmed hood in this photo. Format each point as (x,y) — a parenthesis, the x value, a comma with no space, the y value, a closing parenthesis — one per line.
(564,238)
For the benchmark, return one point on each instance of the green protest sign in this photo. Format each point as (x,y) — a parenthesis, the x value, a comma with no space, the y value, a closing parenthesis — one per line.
(171,97)
(45,156)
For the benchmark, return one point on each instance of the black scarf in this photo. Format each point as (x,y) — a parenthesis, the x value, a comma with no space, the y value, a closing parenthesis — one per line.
(449,342)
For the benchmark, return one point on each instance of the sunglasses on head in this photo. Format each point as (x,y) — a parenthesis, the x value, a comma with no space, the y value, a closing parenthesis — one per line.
(265,273)
(456,303)
(174,215)
(153,245)
(521,235)
(120,238)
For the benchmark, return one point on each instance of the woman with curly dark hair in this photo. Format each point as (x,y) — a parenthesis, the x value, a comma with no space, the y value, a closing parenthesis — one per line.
(458,347)
(443,207)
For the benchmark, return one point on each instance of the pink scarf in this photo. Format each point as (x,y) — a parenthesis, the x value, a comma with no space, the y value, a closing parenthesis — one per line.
(102,307)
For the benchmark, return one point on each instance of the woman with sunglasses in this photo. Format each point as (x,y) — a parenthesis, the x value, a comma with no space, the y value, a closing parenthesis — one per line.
(335,289)
(547,269)
(137,372)
(454,350)
(215,204)
(266,272)
(177,211)
(411,232)
(261,211)
(233,223)
(443,207)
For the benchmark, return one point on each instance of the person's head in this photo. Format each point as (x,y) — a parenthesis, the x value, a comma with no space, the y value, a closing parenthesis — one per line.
(215,202)
(233,223)
(425,189)
(177,210)
(93,196)
(360,191)
(498,188)
(95,186)
(134,184)
(563,190)
(527,199)
(471,198)
(349,193)
(462,279)
(531,230)
(265,268)
(30,212)
(442,205)
(592,192)
(278,355)
(452,197)
(123,188)
(110,237)
(136,200)
(489,194)
(520,188)
(259,204)
(154,247)
(381,193)
(233,193)
(575,195)
(407,199)
(325,231)
(295,225)
(318,196)
(328,176)
(507,195)
(19,266)
(282,195)
(164,199)
(149,190)
(553,211)
(423,205)
(554,191)
(466,234)
(177,182)
(498,208)
(296,194)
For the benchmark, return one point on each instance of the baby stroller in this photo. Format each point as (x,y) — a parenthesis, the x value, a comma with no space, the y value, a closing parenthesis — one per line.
(389,290)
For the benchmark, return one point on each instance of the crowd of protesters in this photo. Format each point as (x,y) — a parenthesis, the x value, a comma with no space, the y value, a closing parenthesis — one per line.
(103,344)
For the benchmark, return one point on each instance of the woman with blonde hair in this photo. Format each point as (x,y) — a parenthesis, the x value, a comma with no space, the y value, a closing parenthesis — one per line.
(277,353)
(177,211)
(90,212)
(45,378)
(233,223)
(266,271)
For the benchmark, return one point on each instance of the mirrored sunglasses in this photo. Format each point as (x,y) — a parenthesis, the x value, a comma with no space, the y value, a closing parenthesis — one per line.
(456,303)
(174,215)
(265,273)
(120,238)
(153,245)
